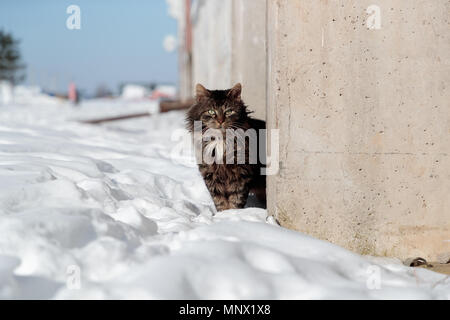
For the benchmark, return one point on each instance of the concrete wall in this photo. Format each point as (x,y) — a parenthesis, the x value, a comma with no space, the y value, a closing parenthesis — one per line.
(364,123)
(249,53)
(212,43)
(229,47)
(185,86)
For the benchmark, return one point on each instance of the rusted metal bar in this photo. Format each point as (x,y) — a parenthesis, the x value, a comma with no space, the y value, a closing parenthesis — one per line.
(172,105)
(124,117)
(164,106)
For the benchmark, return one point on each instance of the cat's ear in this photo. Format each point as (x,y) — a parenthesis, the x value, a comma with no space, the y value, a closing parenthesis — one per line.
(235,92)
(201,92)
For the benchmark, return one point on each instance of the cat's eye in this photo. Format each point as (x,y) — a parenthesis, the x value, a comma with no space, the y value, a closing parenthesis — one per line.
(212,112)
(229,113)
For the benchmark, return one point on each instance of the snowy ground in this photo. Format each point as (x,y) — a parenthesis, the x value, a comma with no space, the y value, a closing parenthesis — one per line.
(104,212)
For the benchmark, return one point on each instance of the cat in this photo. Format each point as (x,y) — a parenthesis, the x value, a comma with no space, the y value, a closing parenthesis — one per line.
(228,184)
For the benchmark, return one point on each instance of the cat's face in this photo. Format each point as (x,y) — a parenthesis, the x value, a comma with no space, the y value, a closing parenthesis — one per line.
(219,109)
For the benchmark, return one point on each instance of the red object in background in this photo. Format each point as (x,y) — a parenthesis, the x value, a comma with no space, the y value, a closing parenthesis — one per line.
(158,95)
(73,93)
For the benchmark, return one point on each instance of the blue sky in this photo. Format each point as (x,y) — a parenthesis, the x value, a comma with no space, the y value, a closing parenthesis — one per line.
(119,40)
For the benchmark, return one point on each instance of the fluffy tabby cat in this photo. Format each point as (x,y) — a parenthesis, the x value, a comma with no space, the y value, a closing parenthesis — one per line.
(228,184)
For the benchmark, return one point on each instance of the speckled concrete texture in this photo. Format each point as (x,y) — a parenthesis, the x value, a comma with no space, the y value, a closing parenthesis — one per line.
(364,120)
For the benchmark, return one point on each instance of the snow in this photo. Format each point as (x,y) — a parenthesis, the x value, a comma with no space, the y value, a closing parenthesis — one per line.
(107,212)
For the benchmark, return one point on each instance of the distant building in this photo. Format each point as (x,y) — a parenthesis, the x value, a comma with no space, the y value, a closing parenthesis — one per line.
(164,92)
(135,91)
(139,91)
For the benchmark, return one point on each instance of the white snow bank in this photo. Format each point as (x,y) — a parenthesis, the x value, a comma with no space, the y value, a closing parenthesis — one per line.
(103,212)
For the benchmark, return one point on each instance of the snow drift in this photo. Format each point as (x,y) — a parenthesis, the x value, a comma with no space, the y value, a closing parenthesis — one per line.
(104,212)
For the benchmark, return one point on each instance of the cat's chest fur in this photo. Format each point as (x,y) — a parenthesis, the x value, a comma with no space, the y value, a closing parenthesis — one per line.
(219,149)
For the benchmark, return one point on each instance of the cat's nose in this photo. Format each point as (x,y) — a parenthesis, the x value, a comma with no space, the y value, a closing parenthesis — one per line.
(220,120)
